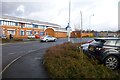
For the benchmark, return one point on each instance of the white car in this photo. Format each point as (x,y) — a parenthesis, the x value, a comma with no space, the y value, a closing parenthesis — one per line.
(31,36)
(48,38)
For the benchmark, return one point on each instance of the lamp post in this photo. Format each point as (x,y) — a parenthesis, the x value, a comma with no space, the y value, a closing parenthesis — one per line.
(69,21)
(90,23)
(118,33)
(81,26)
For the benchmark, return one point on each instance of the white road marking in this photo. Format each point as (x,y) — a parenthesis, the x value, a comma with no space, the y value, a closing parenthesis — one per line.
(15,60)
(10,64)
(31,51)
(11,53)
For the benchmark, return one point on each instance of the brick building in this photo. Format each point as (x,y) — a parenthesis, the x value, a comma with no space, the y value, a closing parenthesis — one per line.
(21,27)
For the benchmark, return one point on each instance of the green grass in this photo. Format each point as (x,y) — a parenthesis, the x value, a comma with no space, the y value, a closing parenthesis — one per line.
(67,61)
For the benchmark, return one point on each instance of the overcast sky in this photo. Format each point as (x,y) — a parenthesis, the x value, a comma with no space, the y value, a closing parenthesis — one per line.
(57,11)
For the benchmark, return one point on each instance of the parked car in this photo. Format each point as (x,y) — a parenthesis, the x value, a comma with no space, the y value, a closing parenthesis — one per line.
(86,45)
(31,36)
(37,36)
(107,51)
(47,38)
(3,36)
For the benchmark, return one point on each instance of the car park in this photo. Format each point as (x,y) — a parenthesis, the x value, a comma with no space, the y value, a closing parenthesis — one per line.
(47,38)
(107,51)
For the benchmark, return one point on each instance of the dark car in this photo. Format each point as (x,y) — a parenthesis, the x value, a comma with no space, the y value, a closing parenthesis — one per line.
(96,41)
(107,51)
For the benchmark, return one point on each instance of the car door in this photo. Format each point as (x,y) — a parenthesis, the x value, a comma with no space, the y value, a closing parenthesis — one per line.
(118,46)
(49,38)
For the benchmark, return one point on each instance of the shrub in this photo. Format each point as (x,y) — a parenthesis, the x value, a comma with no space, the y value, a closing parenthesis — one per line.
(66,61)
(5,40)
(13,40)
(17,39)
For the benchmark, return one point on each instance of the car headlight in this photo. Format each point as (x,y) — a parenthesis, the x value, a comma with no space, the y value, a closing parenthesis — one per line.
(98,49)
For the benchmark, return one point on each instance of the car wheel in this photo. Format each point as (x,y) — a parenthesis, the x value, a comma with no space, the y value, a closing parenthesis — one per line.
(111,62)
(46,40)
(54,40)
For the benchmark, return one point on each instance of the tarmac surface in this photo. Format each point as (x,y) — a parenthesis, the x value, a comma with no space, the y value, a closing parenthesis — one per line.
(28,66)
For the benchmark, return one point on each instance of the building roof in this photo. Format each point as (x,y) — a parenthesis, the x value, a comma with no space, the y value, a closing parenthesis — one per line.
(6,17)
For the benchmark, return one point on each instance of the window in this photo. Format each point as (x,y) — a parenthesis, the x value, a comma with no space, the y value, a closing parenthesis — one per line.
(35,26)
(22,25)
(29,25)
(118,43)
(9,23)
(22,33)
(0,22)
(11,32)
(16,24)
(41,27)
(5,22)
(41,33)
(28,33)
(110,42)
(35,32)
(13,23)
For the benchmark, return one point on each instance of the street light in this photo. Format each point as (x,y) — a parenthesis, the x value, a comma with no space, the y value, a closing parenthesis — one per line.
(69,21)
(90,23)
(118,19)
(81,25)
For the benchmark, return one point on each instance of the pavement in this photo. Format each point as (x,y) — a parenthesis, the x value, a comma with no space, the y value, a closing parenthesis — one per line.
(28,66)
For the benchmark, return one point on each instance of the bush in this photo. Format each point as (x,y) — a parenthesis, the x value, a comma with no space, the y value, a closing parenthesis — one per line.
(5,40)
(13,40)
(17,39)
(66,61)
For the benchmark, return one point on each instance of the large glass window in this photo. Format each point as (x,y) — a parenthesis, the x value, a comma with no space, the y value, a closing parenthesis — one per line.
(41,27)
(9,23)
(5,23)
(11,32)
(13,23)
(2,23)
(35,26)
(29,25)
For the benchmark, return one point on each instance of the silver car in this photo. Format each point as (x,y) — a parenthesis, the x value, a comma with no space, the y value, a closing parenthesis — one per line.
(47,38)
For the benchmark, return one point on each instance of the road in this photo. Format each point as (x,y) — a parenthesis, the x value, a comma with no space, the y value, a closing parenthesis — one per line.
(25,59)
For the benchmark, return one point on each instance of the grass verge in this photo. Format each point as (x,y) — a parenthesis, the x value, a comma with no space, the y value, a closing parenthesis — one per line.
(67,61)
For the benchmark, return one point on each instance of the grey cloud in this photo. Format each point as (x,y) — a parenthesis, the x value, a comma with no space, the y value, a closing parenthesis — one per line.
(10,7)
